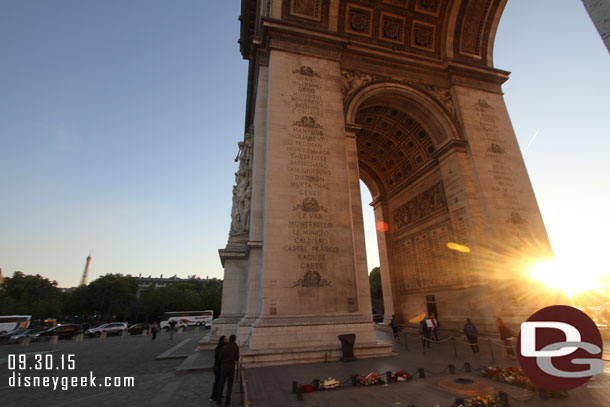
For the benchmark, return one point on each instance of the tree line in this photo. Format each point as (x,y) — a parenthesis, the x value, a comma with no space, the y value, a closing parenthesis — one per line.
(113,297)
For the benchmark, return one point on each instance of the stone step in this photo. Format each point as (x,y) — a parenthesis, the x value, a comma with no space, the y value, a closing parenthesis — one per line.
(198,361)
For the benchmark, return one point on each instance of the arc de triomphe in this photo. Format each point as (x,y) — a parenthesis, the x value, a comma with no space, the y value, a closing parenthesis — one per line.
(403,95)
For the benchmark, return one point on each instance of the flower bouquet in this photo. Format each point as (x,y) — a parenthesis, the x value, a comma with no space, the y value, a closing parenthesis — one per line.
(330,383)
(401,376)
(369,380)
(483,401)
(510,375)
(480,401)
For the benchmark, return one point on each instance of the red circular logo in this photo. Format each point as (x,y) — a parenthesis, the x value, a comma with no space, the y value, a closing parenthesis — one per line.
(559,348)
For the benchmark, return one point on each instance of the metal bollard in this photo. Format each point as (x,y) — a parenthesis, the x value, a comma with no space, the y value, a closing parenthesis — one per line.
(493,360)
(422,375)
(503,396)
(180,330)
(53,341)
(451,369)
(25,342)
(79,338)
(295,386)
(124,334)
(316,384)
(542,393)
(196,330)
(388,377)
(354,380)
(300,393)
(103,335)
(467,367)
(404,336)
(454,347)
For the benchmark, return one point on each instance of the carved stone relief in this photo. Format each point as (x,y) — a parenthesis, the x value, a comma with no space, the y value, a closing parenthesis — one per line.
(423,35)
(359,20)
(420,207)
(312,279)
(472,30)
(306,8)
(516,219)
(392,28)
(428,6)
(242,191)
(353,80)
(443,96)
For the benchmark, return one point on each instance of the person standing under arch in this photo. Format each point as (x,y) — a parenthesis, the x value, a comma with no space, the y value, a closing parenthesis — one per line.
(471,332)
(506,335)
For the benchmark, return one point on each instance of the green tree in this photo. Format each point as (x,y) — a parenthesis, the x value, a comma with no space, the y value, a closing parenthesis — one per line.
(183,296)
(78,302)
(30,295)
(376,291)
(113,296)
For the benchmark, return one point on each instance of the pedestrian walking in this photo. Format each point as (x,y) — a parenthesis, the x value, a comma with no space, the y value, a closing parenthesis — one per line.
(394,328)
(172,327)
(425,331)
(434,327)
(228,355)
(154,329)
(506,335)
(221,341)
(471,332)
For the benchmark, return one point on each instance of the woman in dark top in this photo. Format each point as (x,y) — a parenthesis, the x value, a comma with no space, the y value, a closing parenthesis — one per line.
(472,334)
(221,341)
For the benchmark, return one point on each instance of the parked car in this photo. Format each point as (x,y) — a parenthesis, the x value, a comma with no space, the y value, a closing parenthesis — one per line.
(5,337)
(111,328)
(65,331)
(26,333)
(137,329)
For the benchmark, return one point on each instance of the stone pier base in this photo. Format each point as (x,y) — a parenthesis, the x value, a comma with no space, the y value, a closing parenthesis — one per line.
(311,354)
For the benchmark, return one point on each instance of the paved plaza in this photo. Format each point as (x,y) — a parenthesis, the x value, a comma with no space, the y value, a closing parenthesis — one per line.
(156,382)
(156,366)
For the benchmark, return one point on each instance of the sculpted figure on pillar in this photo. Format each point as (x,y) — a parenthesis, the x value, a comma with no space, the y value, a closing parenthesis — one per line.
(242,191)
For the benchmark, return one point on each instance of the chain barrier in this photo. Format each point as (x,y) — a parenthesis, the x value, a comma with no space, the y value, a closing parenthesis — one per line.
(436,373)
(459,339)
(522,399)
(423,338)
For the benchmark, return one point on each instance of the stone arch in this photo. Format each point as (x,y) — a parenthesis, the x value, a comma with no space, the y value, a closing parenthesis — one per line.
(431,116)
(425,109)
(420,114)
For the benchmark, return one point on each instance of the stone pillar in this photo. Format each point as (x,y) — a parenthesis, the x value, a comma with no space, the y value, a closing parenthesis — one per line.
(509,212)
(234,259)
(384,263)
(599,11)
(257,219)
(362,276)
(314,277)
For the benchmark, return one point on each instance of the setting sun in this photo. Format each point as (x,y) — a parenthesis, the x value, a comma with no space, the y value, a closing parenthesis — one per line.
(571,277)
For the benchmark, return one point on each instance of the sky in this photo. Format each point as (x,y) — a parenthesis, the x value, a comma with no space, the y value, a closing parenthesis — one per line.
(119,123)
